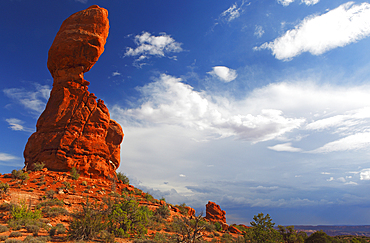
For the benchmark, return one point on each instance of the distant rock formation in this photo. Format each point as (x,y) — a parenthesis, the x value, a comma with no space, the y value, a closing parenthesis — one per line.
(75,130)
(214,213)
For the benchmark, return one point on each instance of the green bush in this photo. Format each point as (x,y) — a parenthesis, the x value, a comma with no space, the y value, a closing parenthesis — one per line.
(123,178)
(23,212)
(53,212)
(31,239)
(87,223)
(20,175)
(3,237)
(319,237)
(50,193)
(39,166)
(127,217)
(32,228)
(163,211)
(3,228)
(218,226)
(58,229)
(51,202)
(4,189)
(74,173)
(12,241)
(15,234)
(67,185)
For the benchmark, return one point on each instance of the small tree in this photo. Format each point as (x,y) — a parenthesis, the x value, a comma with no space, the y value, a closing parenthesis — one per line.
(74,173)
(262,230)
(123,178)
(290,235)
(189,229)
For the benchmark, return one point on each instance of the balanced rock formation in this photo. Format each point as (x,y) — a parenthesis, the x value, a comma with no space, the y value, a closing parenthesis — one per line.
(214,213)
(75,130)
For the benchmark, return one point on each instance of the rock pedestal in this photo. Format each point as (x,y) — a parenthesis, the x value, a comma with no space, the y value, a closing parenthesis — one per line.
(75,129)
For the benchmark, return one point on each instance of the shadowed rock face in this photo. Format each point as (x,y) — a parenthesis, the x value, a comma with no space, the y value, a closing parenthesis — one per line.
(75,130)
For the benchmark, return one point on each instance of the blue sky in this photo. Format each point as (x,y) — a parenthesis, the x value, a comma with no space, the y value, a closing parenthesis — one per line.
(259,106)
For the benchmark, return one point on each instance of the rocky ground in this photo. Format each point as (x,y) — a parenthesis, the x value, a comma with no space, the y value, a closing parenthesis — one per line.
(44,186)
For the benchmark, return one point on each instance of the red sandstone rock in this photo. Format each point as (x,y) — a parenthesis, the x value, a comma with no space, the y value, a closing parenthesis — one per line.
(191,211)
(234,230)
(214,212)
(75,130)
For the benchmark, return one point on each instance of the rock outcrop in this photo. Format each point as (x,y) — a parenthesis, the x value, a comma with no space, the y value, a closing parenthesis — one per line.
(214,213)
(75,130)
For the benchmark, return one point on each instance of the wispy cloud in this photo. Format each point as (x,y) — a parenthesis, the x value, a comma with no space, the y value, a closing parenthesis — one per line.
(285,147)
(149,45)
(232,13)
(307,2)
(116,73)
(7,157)
(81,1)
(320,33)
(33,101)
(17,125)
(223,73)
(259,31)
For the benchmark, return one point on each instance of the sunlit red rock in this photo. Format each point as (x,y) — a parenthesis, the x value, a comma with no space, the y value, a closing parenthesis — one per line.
(214,213)
(75,130)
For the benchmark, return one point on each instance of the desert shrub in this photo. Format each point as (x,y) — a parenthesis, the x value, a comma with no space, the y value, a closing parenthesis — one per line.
(163,211)
(50,193)
(32,239)
(183,208)
(15,234)
(74,173)
(23,212)
(12,241)
(51,202)
(148,197)
(87,223)
(106,236)
(218,226)
(3,228)
(20,175)
(39,166)
(84,183)
(127,217)
(163,238)
(319,237)
(209,227)
(123,178)
(3,237)
(54,211)
(58,229)
(67,185)
(4,189)
(189,229)
(32,228)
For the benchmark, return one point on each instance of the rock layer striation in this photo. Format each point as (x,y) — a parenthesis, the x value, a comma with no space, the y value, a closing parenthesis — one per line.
(75,129)
(214,213)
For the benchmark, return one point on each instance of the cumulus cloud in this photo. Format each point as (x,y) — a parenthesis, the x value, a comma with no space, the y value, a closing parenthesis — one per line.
(365,174)
(287,147)
(318,34)
(17,125)
(223,73)
(7,157)
(34,101)
(150,45)
(169,101)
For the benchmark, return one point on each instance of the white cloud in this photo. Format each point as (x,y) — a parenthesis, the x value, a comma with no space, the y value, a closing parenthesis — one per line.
(318,34)
(351,142)
(81,1)
(259,31)
(7,157)
(34,101)
(150,45)
(330,179)
(169,101)
(225,74)
(231,13)
(307,2)
(182,175)
(310,2)
(285,2)
(365,174)
(116,73)
(285,147)
(16,125)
